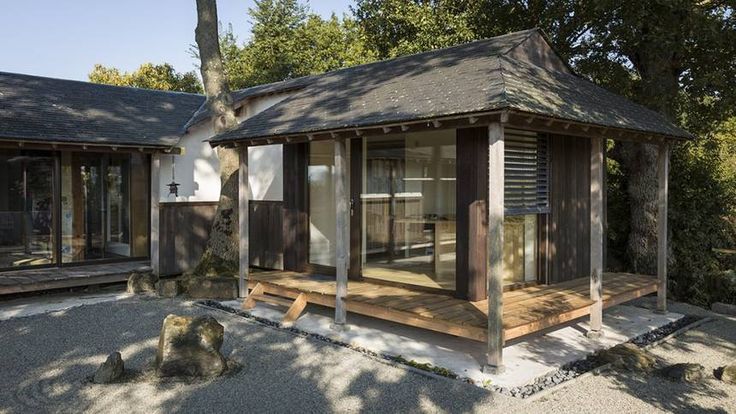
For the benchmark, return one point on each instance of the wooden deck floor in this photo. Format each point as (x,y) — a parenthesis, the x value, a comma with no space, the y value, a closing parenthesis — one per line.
(526,310)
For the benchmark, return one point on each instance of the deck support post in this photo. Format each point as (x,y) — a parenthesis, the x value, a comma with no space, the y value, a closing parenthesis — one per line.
(155,198)
(597,155)
(663,168)
(243,218)
(494,247)
(342,236)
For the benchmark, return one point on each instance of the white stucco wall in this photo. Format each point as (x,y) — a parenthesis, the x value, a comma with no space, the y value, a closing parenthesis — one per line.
(197,170)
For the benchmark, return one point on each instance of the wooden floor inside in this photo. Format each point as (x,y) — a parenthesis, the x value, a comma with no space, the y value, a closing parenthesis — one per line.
(526,310)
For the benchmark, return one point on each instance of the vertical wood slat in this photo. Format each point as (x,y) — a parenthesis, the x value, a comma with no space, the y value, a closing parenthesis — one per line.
(342,236)
(663,167)
(356,208)
(472,227)
(597,149)
(296,205)
(494,267)
(243,221)
(154,244)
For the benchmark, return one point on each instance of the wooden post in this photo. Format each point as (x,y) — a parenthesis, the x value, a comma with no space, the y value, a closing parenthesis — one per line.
(663,169)
(597,151)
(342,217)
(243,216)
(155,196)
(494,246)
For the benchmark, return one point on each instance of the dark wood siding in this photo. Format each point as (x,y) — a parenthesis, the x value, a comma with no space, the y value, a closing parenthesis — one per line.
(296,207)
(569,220)
(183,233)
(266,234)
(356,212)
(472,173)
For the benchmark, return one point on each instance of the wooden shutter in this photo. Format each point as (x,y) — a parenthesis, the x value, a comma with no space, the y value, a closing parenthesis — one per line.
(526,170)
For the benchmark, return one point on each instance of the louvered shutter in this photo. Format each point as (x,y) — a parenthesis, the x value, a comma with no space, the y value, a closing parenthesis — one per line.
(526,186)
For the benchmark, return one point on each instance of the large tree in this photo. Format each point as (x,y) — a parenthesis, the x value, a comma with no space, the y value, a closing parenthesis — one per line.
(150,76)
(221,253)
(677,57)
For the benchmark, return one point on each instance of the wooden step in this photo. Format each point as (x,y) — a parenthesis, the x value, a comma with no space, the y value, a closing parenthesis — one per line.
(274,300)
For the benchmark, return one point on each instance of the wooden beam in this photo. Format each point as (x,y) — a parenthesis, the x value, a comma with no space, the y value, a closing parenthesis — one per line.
(597,149)
(342,237)
(663,168)
(494,246)
(472,119)
(155,198)
(243,218)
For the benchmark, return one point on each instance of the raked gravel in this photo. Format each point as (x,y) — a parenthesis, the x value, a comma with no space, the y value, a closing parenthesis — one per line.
(45,361)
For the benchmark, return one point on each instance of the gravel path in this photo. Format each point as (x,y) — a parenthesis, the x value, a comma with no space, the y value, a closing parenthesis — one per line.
(45,359)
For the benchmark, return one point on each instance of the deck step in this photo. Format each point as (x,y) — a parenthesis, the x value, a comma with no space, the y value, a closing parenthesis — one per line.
(274,300)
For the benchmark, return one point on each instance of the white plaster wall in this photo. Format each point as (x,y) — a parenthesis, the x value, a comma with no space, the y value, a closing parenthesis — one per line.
(197,170)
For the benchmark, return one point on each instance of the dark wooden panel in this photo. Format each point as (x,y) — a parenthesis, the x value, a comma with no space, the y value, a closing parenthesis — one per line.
(472,226)
(296,207)
(356,208)
(266,234)
(184,230)
(569,220)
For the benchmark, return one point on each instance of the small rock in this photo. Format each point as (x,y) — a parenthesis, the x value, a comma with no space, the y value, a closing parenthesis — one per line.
(213,288)
(190,346)
(169,288)
(728,374)
(144,282)
(110,370)
(627,356)
(688,372)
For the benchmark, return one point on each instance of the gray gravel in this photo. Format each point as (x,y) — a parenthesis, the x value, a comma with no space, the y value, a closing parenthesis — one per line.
(45,361)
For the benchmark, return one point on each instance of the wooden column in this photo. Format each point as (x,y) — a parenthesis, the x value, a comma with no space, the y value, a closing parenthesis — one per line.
(342,236)
(597,151)
(663,168)
(155,196)
(494,246)
(243,218)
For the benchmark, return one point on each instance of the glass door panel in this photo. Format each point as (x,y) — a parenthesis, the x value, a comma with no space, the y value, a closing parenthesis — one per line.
(26,208)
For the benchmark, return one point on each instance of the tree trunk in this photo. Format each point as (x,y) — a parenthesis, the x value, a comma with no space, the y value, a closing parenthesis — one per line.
(659,70)
(220,256)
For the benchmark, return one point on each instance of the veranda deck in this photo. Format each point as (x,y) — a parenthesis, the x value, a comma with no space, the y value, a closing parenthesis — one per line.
(526,310)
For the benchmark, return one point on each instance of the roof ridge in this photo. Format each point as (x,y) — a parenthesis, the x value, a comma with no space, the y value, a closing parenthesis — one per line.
(25,75)
(504,92)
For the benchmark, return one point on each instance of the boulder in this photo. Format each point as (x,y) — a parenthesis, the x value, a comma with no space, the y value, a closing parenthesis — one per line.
(169,288)
(687,372)
(190,347)
(627,356)
(728,374)
(213,288)
(110,370)
(142,282)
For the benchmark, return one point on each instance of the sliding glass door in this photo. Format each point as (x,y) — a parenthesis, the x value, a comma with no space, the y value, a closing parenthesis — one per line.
(26,208)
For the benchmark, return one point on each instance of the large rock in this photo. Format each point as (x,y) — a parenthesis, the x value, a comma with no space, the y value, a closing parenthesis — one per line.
(142,282)
(110,370)
(629,357)
(213,288)
(190,346)
(728,374)
(688,372)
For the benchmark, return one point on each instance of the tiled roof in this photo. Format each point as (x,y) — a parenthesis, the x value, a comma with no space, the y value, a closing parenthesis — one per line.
(39,109)
(473,77)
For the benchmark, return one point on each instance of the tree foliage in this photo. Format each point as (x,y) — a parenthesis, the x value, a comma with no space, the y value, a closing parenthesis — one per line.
(289,41)
(148,75)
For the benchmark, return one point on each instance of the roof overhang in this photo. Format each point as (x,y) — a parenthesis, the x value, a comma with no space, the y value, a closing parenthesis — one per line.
(35,144)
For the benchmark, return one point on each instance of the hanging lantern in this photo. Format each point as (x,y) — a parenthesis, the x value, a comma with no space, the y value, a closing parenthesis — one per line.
(173,185)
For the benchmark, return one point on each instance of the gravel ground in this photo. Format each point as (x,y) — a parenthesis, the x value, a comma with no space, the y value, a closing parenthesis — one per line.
(45,361)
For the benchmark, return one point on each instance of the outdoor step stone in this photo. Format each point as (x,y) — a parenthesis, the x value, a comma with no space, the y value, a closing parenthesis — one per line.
(142,282)
(169,288)
(213,288)
(684,372)
(110,370)
(728,374)
(190,347)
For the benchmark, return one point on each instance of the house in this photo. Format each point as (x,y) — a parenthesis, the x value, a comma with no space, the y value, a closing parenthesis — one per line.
(459,190)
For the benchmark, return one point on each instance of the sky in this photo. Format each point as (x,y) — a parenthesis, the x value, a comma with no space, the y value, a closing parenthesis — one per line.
(65,39)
